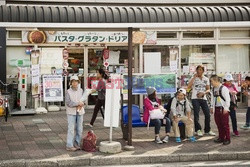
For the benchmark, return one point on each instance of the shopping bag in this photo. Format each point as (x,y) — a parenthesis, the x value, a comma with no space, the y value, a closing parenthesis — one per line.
(89,142)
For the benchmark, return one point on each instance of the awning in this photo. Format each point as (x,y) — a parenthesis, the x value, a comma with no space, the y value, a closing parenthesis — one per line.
(98,14)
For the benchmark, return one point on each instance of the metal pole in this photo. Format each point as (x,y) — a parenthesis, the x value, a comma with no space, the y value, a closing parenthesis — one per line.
(130,52)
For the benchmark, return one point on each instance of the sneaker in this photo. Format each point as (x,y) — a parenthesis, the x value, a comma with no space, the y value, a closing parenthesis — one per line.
(178,140)
(192,139)
(78,148)
(245,127)
(89,125)
(218,140)
(226,142)
(165,140)
(71,148)
(199,133)
(236,133)
(158,140)
(210,133)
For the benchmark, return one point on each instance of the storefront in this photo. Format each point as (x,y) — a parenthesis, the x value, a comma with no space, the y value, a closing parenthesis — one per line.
(217,37)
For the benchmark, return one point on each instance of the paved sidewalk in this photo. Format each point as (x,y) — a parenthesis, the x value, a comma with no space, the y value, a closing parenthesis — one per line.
(39,140)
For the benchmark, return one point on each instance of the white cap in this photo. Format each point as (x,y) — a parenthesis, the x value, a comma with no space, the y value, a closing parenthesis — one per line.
(74,78)
(181,90)
(228,77)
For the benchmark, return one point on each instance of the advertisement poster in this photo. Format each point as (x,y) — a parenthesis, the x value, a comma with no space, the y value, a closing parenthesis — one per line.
(51,57)
(52,88)
(164,83)
(173,52)
(35,73)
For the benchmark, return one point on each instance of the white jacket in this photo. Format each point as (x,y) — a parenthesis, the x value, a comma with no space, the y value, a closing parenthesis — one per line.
(225,93)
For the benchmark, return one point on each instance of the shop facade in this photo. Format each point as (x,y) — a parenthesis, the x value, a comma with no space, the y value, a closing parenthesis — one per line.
(221,46)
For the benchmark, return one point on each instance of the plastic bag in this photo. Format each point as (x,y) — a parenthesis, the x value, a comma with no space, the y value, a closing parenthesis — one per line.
(85,95)
(89,142)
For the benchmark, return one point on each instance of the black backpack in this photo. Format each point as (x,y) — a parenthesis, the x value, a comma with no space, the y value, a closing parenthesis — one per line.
(232,104)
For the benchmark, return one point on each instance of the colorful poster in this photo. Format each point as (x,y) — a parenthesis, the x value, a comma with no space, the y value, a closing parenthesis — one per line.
(164,83)
(35,73)
(52,88)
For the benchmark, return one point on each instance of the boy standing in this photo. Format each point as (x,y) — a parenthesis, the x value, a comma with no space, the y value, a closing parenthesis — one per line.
(220,103)
(182,112)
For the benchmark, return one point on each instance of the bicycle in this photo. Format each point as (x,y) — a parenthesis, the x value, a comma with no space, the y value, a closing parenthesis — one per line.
(5,100)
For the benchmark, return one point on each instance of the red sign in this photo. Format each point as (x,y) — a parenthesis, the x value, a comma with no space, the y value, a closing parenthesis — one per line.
(106,64)
(65,54)
(105,53)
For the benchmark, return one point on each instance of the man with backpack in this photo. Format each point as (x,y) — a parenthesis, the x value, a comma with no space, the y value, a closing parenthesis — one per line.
(220,103)
(182,112)
(233,103)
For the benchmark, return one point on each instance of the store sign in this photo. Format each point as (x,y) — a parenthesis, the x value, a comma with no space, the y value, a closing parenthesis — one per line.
(52,88)
(148,37)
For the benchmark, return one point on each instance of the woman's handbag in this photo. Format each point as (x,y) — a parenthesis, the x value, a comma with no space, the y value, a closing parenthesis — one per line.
(156,114)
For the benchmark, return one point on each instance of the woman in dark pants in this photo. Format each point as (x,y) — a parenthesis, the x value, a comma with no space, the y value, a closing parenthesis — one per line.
(200,87)
(101,90)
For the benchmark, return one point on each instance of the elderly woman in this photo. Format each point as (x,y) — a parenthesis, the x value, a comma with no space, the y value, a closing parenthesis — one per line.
(75,111)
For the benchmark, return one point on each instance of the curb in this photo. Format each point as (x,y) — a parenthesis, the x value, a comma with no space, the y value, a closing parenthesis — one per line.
(126,160)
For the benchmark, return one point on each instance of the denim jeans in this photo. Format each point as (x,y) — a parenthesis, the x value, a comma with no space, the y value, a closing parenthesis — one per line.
(74,125)
(233,119)
(197,103)
(157,123)
(248,117)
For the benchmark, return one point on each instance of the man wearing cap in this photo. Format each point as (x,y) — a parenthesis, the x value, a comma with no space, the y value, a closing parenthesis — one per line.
(228,78)
(182,112)
(75,111)
(150,103)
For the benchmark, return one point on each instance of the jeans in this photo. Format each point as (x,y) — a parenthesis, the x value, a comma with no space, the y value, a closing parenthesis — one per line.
(248,117)
(98,106)
(157,123)
(222,122)
(233,119)
(74,125)
(197,103)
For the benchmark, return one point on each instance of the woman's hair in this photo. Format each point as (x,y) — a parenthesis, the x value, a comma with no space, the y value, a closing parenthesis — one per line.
(247,78)
(200,66)
(103,73)
(215,78)
(152,96)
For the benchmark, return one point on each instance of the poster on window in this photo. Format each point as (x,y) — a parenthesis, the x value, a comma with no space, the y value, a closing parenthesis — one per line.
(164,83)
(52,88)
(173,54)
(51,57)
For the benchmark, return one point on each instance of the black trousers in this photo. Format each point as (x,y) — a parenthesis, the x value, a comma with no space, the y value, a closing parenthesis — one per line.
(98,106)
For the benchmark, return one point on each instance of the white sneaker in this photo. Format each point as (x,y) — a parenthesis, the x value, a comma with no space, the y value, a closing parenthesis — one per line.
(158,140)
(165,140)
(211,133)
(199,133)
(91,126)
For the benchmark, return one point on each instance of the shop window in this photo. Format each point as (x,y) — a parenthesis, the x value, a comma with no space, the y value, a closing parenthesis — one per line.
(15,35)
(233,58)
(235,33)
(194,55)
(198,34)
(95,59)
(76,60)
(166,34)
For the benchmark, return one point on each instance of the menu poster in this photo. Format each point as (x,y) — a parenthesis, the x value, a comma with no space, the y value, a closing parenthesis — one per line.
(52,88)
